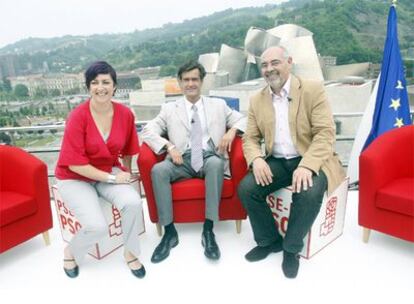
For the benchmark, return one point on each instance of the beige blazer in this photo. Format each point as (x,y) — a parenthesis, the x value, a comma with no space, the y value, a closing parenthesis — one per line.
(311,126)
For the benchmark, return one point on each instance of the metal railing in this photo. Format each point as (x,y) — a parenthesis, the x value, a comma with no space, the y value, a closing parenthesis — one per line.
(139,125)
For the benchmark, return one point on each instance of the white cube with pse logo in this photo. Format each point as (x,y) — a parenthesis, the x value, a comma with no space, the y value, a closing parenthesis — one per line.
(327,226)
(69,224)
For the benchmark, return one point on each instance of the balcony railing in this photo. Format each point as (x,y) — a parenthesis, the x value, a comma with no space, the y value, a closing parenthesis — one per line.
(139,125)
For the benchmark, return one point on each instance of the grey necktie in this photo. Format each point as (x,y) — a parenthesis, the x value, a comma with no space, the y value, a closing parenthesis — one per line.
(196,141)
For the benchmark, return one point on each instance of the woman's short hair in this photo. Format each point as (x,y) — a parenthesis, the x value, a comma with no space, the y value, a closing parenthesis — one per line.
(189,66)
(96,68)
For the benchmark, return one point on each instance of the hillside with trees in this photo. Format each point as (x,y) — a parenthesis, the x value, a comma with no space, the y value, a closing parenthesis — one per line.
(351,30)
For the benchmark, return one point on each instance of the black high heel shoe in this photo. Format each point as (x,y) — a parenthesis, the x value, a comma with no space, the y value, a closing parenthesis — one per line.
(139,273)
(73,272)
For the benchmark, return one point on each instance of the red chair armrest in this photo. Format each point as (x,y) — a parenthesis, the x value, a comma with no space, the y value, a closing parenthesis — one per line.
(146,160)
(238,165)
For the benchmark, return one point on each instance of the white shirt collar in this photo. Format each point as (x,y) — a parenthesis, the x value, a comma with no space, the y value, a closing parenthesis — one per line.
(198,103)
(189,105)
(284,92)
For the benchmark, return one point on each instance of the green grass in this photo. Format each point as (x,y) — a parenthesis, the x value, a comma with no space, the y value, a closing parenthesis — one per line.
(35,141)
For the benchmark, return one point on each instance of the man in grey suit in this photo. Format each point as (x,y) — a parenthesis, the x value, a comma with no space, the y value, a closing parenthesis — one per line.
(200,131)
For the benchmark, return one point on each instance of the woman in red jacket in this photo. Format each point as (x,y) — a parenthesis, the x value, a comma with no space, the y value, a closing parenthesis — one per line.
(97,134)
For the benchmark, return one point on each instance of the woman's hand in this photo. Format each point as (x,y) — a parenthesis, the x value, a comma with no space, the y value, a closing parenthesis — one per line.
(122,177)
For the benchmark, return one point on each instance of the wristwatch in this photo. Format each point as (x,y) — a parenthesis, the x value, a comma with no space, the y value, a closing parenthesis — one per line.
(111,179)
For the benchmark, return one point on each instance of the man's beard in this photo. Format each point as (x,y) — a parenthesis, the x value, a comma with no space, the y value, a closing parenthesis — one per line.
(275,80)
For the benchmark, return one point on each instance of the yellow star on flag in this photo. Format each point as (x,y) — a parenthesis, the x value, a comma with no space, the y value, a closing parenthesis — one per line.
(395,104)
(398,122)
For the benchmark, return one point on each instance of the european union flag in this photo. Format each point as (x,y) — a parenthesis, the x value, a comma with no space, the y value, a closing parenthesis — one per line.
(391,108)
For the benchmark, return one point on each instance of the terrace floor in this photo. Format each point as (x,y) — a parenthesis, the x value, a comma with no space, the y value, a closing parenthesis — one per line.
(381,271)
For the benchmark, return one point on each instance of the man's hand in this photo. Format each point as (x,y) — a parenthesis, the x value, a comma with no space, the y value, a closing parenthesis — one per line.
(262,172)
(301,177)
(176,156)
(227,140)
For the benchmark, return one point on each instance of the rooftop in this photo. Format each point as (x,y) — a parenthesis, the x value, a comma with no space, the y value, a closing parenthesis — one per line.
(346,271)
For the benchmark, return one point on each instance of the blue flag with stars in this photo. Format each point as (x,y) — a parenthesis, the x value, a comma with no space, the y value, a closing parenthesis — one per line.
(391,107)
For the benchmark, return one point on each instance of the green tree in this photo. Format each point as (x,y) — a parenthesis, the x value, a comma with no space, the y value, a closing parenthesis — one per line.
(6,85)
(3,121)
(20,90)
(40,93)
(44,110)
(5,138)
(168,70)
(50,106)
(54,92)
(72,91)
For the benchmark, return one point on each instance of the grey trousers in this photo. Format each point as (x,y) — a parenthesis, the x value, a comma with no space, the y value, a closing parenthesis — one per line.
(166,172)
(82,199)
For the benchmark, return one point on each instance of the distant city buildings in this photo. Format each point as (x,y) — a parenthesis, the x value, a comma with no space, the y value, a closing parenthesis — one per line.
(148,72)
(68,84)
(63,83)
(127,82)
(155,92)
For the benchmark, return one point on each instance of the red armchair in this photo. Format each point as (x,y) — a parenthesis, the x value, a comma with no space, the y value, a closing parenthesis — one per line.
(24,198)
(188,195)
(386,185)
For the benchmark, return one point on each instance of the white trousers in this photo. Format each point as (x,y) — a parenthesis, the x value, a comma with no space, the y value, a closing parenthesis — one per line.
(82,198)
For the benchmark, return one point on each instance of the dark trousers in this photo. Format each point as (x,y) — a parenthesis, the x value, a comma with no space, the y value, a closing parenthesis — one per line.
(303,211)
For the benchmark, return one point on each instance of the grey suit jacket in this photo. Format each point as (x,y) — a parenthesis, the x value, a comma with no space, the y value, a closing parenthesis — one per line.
(171,125)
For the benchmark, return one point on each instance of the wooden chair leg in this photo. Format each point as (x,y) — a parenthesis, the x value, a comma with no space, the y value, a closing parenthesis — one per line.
(159,229)
(365,234)
(238,226)
(46,238)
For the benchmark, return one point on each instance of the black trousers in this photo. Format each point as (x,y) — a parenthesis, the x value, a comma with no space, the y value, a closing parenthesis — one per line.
(303,211)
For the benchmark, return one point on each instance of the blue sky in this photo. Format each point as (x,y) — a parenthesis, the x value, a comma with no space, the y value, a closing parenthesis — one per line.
(21,19)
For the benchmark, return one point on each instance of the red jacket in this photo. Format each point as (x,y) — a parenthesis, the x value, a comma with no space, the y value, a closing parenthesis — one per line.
(83,143)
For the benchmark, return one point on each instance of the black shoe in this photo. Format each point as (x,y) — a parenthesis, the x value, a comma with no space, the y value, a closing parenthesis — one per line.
(290,264)
(162,251)
(73,272)
(139,273)
(259,252)
(211,249)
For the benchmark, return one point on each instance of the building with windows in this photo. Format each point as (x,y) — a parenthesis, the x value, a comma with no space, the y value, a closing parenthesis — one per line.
(63,83)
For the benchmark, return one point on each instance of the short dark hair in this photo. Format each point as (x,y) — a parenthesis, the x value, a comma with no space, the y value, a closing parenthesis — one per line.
(189,66)
(96,68)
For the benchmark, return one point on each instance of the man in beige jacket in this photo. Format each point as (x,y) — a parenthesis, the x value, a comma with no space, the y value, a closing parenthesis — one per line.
(293,117)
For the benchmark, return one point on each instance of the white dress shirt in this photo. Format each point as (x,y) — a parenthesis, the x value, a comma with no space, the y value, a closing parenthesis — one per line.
(282,146)
(202,114)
